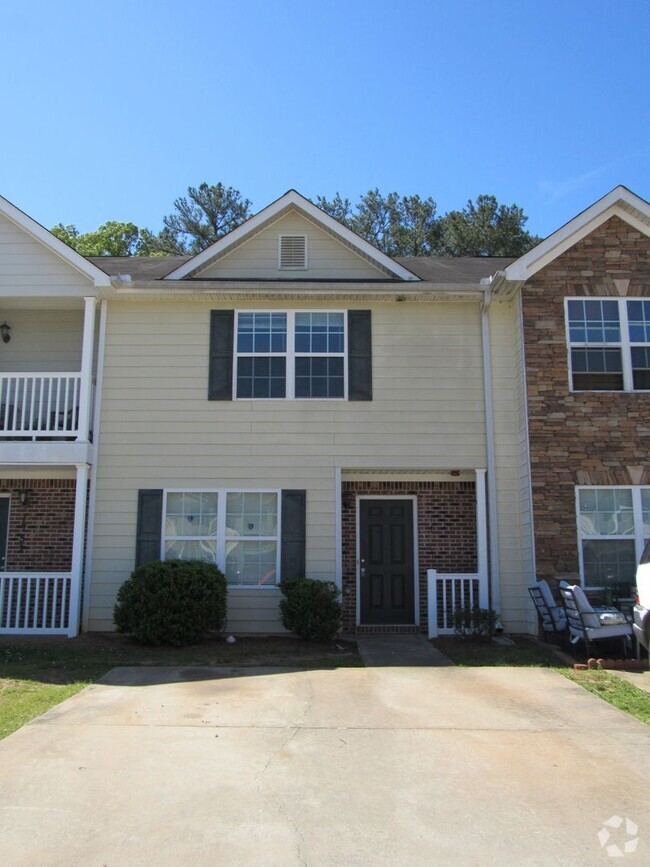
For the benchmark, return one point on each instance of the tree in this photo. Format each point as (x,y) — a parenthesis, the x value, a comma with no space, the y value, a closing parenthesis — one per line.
(418,229)
(405,226)
(396,225)
(485,228)
(340,209)
(202,217)
(110,239)
(162,244)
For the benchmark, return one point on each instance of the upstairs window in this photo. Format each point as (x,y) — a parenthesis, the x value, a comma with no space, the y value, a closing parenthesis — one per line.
(290,355)
(292,252)
(609,342)
(314,354)
(638,315)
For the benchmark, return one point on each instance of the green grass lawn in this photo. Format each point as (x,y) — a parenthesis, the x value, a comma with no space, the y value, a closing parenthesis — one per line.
(483,651)
(614,690)
(38,673)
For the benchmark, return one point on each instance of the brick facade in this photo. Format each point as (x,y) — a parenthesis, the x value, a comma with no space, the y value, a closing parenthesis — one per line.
(40,532)
(447,539)
(589,438)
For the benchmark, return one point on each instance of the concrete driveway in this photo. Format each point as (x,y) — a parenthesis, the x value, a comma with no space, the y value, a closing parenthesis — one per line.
(405,766)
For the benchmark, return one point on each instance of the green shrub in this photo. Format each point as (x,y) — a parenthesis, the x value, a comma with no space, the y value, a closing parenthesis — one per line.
(174,602)
(472,622)
(310,608)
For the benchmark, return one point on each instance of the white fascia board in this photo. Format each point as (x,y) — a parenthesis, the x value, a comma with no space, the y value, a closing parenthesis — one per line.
(41,234)
(291,198)
(637,214)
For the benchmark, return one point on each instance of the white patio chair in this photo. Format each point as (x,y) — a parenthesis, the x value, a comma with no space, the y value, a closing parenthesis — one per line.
(551,615)
(585,624)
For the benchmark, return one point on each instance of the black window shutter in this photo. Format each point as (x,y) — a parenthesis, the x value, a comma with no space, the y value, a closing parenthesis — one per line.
(222,323)
(359,355)
(294,535)
(147,543)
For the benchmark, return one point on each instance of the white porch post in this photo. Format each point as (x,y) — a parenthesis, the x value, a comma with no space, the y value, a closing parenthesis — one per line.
(482,538)
(80,499)
(86,369)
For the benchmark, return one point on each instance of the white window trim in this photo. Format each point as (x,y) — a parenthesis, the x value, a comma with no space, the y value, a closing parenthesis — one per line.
(637,511)
(220,538)
(624,344)
(291,355)
(304,267)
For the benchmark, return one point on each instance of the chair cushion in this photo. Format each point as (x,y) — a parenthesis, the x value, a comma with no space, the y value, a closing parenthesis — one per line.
(608,632)
(589,616)
(612,618)
(545,590)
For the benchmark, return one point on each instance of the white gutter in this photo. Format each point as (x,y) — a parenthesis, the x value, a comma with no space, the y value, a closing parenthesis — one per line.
(493,531)
(126,287)
(101,347)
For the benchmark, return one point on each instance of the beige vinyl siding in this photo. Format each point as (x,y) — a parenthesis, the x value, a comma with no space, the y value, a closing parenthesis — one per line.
(513,498)
(28,268)
(42,341)
(329,259)
(159,430)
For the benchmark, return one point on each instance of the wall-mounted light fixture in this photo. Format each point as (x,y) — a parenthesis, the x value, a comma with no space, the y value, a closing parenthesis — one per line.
(24,497)
(5,328)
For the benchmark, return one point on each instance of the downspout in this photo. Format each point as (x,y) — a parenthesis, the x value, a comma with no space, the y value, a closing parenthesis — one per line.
(493,531)
(99,379)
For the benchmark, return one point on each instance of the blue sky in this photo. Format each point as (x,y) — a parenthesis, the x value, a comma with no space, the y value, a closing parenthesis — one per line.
(112,110)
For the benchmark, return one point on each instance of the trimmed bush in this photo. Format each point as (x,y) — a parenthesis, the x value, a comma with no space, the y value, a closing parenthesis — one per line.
(174,602)
(474,622)
(310,608)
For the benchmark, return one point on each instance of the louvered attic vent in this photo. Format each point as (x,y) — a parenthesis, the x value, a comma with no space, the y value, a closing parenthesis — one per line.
(293,252)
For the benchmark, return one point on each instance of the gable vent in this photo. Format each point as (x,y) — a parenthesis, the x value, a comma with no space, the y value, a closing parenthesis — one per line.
(293,251)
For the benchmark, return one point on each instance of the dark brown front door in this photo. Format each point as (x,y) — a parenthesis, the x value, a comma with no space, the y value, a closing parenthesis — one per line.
(386,561)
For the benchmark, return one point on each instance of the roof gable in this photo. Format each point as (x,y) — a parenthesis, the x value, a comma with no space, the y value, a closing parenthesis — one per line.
(46,239)
(293,204)
(620,202)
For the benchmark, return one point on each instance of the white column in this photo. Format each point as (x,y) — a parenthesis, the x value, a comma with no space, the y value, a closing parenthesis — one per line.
(79,534)
(482,538)
(86,368)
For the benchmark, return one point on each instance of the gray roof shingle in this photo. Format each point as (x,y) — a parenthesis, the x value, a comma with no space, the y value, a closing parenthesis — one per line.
(436,269)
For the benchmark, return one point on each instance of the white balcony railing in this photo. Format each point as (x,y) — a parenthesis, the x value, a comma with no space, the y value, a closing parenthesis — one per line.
(449,592)
(35,603)
(36,405)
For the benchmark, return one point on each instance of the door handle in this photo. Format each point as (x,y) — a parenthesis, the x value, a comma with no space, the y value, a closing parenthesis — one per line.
(362,570)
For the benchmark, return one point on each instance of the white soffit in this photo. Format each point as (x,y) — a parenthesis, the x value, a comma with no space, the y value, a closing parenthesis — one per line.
(47,239)
(276,209)
(620,202)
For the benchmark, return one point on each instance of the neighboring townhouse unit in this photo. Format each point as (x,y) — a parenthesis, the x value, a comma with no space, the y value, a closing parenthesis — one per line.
(586,326)
(292,401)
(48,370)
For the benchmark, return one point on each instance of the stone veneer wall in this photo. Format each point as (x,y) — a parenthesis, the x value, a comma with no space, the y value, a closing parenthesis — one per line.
(446,530)
(588,438)
(41,531)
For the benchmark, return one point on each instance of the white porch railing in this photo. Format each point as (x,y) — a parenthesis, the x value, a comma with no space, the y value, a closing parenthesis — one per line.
(34,405)
(446,593)
(36,603)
